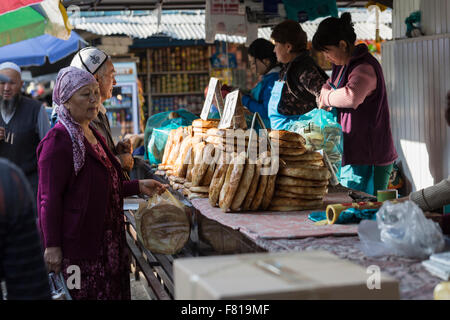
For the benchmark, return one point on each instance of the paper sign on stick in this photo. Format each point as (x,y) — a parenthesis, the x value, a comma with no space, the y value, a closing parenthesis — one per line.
(213,87)
(233,112)
(218,100)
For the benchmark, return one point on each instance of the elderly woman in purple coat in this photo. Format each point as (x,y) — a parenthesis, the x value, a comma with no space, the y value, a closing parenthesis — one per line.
(80,194)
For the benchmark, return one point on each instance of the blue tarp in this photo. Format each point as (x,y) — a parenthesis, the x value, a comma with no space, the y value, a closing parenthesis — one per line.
(33,52)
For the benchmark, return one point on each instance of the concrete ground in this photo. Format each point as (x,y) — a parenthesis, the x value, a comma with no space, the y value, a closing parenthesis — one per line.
(137,288)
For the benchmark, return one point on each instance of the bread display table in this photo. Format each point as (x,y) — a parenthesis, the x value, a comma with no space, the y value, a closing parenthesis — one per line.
(214,232)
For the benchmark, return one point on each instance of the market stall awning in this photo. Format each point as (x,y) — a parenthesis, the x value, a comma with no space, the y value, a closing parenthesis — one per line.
(190,25)
(114,5)
(12,5)
(25,19)
(34,52)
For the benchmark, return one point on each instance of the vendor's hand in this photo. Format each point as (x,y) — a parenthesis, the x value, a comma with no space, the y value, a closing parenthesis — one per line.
(325,108)
(126,161)
(124,146)
(2,133)
(53,259)
(150,187)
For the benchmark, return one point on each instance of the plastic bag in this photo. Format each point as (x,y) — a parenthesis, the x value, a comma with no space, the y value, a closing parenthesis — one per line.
(181,117)
(321,131)
(162,224)
(401,229)
(58,288)
(158,142)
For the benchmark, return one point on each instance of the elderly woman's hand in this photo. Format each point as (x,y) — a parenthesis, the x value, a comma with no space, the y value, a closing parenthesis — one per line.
(150,186)
(324,107)
(53,259)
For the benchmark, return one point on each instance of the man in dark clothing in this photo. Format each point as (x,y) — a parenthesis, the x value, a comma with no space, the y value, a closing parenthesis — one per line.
(23,123)
(21,257)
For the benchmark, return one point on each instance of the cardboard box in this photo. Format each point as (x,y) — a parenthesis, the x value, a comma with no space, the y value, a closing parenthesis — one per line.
(291,275)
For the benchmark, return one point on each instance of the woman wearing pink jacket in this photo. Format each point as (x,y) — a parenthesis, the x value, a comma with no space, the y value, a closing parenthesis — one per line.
(358,92)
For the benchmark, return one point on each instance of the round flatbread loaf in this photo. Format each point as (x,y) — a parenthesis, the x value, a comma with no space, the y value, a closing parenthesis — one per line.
(233,183)
(188,131)
(202,189)
(212,131)
(244,185)
(199,168)
(257,199)
(268,194)
(286,135)
(304,157)
(164,228)
(189,159)
(177,179)
(290,181)
(297,163)
(177,140)
(291,151)
(304,190)
(177,186)
(168,147)
(287,144)
(206,181)
(210,123)
(286,194)
(189,171)
(217,182)
(253,186)
(226,180)
(306,172)
(179,165)
(194,195)
(200,130)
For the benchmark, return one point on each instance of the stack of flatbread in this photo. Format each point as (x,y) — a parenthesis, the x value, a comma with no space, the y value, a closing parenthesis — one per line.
(242,184)
(188,162)
(302,178)
(200,170)
(172,147)
(200,127)
(233,140)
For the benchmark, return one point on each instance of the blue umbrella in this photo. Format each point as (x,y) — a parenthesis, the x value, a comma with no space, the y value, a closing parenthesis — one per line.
(33,52)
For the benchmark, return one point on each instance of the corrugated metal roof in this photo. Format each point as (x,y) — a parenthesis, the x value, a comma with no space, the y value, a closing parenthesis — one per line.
(190,25)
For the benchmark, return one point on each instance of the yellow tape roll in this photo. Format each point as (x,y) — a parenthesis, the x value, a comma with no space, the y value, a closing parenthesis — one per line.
(334,210)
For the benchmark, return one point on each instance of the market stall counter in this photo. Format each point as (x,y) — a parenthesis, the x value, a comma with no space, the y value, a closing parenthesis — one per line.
(214,232)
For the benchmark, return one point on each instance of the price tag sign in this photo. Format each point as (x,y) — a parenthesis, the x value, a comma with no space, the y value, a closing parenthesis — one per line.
(229,110)
(212,87)
(218,100)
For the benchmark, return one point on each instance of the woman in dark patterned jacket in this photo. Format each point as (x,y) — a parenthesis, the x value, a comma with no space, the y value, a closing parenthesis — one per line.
(301,79)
